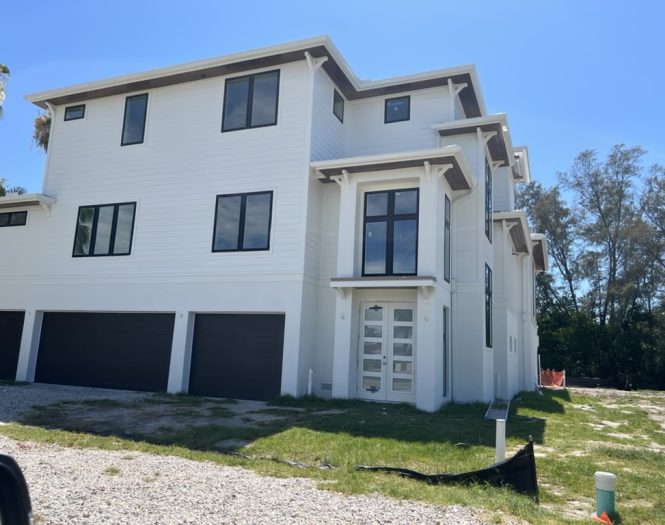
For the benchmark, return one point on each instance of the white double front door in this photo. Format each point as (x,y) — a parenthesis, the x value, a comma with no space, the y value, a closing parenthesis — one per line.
(386,351)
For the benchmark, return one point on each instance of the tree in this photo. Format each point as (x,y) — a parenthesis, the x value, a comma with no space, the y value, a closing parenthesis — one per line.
(41,131)
(4,75)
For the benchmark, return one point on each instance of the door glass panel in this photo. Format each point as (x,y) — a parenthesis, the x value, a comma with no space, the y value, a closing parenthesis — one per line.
(373,384)
(374,313)
(402,349)
(371,365)
(402,385)
(403,332)
(404,246)
(406,202)
(372,348)
(404,315)
(375,247)
(402,367)
(372,330)
(103,235)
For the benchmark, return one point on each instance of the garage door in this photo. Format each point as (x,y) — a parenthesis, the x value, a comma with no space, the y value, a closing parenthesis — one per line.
(11,327)
(237,356)
(110,350)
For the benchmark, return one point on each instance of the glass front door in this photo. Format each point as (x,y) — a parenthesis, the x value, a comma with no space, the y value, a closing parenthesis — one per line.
(386,352)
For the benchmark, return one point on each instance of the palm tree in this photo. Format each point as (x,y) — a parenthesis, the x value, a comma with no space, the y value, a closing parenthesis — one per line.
(41,131)
(4,75)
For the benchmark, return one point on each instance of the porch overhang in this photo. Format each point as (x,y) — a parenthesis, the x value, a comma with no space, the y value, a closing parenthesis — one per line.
(449,161)
(500,144)
(387,281)
(518,228)
(27,200)
(539,242)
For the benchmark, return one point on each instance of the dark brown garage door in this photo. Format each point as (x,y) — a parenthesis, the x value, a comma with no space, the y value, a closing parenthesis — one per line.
(11,327)
(237,356)
(110,350)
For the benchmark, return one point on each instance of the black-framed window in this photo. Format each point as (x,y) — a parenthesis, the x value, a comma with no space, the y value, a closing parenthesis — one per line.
(488,201)
(133,124)
(397,109)
(13,218)
(488,306)
(338,106)
(242,222)
(104,229)
(446,240)
(390,232)
(250,101)
(75,112)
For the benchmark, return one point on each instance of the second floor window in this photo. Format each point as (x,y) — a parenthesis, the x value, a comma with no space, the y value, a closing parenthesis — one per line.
(104,230)
(488,306)
(338,106)
(488,201)
(397,109)
(242,222)
(133,125)
(250,101)
(446,240)
(13,218)
(390,238)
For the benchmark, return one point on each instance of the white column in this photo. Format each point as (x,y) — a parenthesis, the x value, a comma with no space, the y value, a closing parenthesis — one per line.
(342,349)
(430,208)
(27,357)
(181,353)
(429,354)
(346,260)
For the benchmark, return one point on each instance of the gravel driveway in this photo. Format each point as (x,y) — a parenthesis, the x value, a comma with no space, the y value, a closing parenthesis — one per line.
(74,486)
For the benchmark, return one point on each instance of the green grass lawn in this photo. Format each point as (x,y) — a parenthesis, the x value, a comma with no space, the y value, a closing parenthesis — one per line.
(576,433)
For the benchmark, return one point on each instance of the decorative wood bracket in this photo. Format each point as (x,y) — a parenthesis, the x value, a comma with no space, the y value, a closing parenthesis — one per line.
(314,63)
(497,164)
(485,137)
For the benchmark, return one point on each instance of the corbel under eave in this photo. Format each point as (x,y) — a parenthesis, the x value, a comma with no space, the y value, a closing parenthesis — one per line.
(314,63)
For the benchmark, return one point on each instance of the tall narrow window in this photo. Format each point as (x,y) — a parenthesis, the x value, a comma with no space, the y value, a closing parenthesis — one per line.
(488,307)
(391,232)
(104,230)
(488,201)
(242,222)
(338,106)
(133,126)
(250,101)
(446,241)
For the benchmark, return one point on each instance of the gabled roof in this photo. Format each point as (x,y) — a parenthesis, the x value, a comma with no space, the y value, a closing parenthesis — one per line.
(336,67)
(458,173)
(519,229)
(500,145)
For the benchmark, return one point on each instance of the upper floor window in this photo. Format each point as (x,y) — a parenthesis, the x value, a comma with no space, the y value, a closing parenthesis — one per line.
(133,125)
(338,106)
(104,229)
(390,238)
(242,222)
(446,240)
(488,306)
(397,109)
(250,101)
(13,218)
(75,112)
(488,201)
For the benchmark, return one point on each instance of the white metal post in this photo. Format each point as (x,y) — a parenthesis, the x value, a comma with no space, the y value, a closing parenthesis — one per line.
(500,454)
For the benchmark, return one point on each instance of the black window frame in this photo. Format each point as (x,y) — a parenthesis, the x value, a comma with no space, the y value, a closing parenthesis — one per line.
(408,109)
(124,120)
(114,225)
(337,98)
(10,215)
(488,201)
(250,100)
(241,223)
(390,218)
(488,306)
(447,252)
(69,109)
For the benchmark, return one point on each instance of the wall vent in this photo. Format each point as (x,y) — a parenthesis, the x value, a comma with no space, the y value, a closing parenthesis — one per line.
(326,387)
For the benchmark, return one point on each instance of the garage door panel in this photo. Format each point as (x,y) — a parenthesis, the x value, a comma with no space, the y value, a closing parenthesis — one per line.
(111,350)
(11,329)
(237,355)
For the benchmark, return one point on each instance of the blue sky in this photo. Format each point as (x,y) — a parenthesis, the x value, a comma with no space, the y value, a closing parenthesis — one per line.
(571,75)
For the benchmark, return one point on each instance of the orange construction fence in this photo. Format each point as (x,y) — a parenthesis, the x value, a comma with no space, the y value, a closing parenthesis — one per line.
(552,378)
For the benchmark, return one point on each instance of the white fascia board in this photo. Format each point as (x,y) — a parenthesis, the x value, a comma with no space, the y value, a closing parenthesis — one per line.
(181,68)
(384,282)
(365,160)
(26,199)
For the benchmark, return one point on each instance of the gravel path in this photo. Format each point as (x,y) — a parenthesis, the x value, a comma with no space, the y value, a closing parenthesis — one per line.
(89,486)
